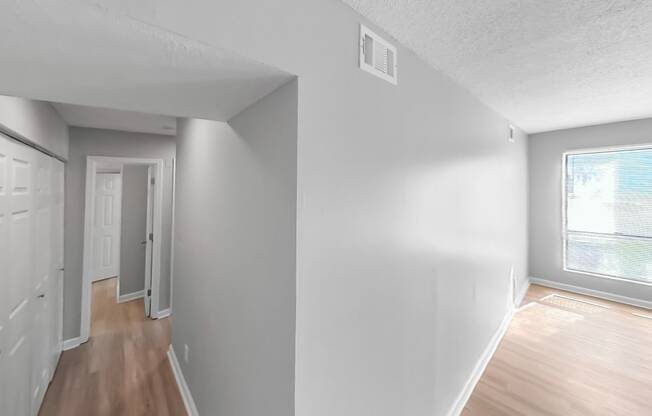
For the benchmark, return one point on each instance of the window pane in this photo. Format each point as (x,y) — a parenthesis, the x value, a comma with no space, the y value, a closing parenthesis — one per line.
(609,202)
(610,192)
(611,256)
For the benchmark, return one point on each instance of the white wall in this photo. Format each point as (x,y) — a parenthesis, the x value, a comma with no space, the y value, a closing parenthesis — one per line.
(235,255)
(36,121)
(95,142)
(412,206)
(545,166)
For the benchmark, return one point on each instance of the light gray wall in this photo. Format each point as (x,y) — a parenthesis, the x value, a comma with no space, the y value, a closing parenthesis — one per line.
(133,228)
(545,164)
(94,142)
(234,265)
(36,121)
(412,206)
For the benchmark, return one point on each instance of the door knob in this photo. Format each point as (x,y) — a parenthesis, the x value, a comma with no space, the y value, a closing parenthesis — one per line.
(41,296)
(143,242)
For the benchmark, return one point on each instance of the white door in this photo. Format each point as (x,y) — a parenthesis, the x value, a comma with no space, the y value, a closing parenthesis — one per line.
(149,239)
(55,310)
(17,166)
(106,235)
(28,250)
(42,281)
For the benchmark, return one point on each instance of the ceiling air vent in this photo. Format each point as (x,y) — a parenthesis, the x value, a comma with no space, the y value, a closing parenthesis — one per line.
(377,56)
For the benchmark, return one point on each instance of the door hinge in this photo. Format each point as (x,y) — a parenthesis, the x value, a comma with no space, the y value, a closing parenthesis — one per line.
(152,181)
(149,292)
(151,236)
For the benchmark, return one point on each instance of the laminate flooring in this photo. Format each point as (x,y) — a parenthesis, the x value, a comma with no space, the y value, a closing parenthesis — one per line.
(122,370)
(566,354)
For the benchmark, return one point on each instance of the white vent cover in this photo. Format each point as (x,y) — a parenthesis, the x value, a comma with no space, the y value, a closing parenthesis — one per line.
(377,56)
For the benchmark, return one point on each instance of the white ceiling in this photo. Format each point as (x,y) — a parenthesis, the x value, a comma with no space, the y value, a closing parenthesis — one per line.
(544,65)
(104,118)
(79,53)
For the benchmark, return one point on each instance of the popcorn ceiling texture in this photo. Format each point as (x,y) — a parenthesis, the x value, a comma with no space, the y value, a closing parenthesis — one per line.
(544,65)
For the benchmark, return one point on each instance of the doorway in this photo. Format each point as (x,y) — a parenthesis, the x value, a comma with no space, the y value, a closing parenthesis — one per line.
(107,220)
(122,230)
(136,247)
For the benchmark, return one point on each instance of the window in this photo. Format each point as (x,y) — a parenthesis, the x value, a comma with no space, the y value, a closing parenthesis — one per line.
(608,207)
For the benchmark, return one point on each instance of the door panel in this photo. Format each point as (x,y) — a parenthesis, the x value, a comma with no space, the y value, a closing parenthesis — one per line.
(106,245)
(55,306)
(29,247)
(18,219)
(18,386)
(41,287)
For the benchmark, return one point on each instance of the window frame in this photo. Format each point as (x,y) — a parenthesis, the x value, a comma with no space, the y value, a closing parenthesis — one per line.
(564,206)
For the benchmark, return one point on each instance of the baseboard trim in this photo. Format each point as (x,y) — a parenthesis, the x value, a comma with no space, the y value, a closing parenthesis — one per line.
(163,314)
(590,292)
(481,365)
(131,296)
(99,279)
(188,401)
(71,343)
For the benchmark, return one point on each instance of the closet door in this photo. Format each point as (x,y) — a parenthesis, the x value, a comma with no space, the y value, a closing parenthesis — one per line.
(41,292)
(31,285)
(55,311)
(17,234)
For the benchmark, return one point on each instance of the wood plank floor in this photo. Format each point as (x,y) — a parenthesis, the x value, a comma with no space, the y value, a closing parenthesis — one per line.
(561,357)
(122,370)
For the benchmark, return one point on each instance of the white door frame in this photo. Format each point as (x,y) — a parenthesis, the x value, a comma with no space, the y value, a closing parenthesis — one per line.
(89,208)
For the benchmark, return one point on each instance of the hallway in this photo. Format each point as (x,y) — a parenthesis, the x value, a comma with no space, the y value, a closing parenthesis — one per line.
(122,370)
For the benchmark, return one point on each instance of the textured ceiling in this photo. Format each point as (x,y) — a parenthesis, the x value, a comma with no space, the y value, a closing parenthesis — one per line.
(105,118)
(80,53)
(544,65)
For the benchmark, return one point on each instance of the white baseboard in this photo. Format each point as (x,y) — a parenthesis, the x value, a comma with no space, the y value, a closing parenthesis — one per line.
(99,279)
(188,401)
(163,314)
(481,365)
(590,292)
(72,343)
(131,296)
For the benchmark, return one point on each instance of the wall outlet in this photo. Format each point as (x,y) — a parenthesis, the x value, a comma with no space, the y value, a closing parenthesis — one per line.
(186,353)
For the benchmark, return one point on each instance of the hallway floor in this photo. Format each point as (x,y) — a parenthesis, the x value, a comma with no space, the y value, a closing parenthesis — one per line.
(566,354)
(122,370)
